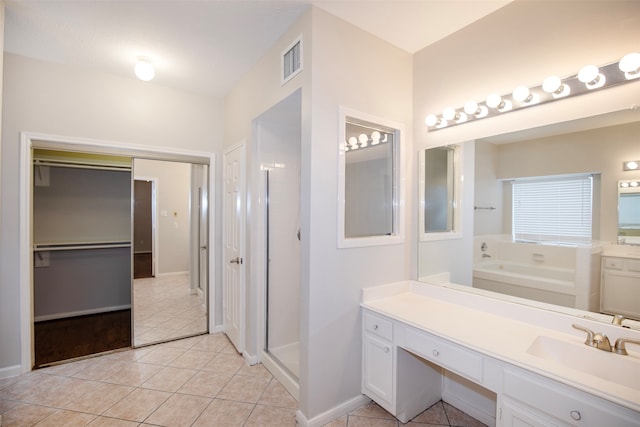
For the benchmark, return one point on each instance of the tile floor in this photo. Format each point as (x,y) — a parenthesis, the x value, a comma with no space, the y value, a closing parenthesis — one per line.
(197,381)
(164,308)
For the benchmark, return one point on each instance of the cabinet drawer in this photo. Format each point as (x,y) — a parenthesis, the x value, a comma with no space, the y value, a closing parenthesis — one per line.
(566,404)
(378,325)
(616,263)
(633,265)
(451,356)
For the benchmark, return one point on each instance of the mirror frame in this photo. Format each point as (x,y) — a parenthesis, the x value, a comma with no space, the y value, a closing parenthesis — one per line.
(397,203)
(456,232)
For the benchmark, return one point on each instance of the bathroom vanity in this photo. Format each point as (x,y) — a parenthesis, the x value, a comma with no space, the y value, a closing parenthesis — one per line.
(620,283)
(533,361)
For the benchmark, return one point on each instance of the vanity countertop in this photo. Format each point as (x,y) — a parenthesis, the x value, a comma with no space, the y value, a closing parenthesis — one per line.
(622,251)
(503,337)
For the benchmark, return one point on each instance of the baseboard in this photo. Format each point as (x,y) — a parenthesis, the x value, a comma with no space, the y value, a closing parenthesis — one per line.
(332,414)
(469,409)
(216,329)
(10,371)
(251,360)
(172,273)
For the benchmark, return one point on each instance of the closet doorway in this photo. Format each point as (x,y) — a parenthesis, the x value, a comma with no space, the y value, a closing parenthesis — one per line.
(82,239)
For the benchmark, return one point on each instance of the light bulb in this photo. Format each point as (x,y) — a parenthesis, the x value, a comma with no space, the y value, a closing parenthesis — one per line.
(630,65)
(144,69)
(449,113)
(494,100)
(431,120)
(634,183)
(632,165)
(353,142)
(591,77)
(375,137)
(364,139)
(624,184)
(554,86)
(471,108)
(522,94)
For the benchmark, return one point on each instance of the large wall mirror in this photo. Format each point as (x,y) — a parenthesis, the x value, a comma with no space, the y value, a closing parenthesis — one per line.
(558,273)
(370,173)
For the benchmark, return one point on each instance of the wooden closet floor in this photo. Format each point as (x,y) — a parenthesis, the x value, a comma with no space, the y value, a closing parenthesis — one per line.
(63,339)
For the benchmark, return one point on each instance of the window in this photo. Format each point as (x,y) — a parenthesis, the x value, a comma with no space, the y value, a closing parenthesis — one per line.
(555,209)
(292,60)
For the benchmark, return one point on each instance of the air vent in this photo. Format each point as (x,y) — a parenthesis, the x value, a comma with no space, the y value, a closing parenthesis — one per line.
(292,60)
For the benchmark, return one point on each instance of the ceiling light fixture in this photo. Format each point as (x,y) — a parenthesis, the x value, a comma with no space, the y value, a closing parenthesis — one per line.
(144,69)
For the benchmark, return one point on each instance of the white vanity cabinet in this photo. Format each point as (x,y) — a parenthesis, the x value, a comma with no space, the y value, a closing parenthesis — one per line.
(620,286)
(528,399)
(403,368)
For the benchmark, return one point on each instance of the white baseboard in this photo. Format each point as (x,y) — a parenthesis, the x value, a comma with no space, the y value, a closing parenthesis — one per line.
(172,273)
(216,329)
(251,360)
(332,414)
(10,371)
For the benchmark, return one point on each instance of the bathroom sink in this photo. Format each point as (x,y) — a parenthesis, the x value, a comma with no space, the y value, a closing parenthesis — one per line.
(624,370)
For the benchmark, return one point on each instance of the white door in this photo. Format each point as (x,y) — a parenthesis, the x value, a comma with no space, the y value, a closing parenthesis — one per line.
(233,300)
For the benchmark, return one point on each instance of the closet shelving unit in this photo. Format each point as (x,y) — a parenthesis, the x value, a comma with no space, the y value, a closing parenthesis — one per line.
(81,252)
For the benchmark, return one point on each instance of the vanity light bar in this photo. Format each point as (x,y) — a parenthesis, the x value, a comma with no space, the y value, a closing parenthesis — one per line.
(629,184)
(363,140)
(588,78)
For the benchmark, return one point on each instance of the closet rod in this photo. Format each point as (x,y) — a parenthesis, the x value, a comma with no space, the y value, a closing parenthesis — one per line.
(81,166)
(79,246)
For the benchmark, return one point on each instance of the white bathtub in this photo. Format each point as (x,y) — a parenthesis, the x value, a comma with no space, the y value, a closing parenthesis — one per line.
(553,285)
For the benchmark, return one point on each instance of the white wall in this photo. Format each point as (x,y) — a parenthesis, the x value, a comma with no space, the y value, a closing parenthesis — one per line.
(356,70)
(173,186)
(499,52)
(55,99)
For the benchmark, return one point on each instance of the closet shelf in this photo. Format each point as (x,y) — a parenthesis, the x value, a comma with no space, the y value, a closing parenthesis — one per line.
(72,246)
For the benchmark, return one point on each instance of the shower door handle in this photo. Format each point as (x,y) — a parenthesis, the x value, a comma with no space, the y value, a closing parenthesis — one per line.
(236,260)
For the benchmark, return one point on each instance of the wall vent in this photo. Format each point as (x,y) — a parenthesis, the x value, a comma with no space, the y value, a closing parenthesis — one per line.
(292,60)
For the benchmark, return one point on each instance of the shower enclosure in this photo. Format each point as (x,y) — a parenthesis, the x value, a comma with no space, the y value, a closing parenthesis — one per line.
(279,161)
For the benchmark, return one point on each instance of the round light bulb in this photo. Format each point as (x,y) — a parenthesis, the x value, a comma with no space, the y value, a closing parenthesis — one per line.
(552,84)
(494,100)
(624,184)
(630,63)
(634,183)
(449,113)
(522,94)
(471,108)
(144,70)
(364,139)
(375,137)
(431,120)
(632,165)
(588,74)
(353,142)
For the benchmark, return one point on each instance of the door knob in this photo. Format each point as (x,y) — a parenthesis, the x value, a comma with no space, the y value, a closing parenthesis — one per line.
(203,247)
(236,260)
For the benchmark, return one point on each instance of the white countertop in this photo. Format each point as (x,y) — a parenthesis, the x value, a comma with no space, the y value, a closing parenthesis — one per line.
(622,251)
(499,336)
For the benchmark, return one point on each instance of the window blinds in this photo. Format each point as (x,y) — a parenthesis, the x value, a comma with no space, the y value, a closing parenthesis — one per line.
(553,210)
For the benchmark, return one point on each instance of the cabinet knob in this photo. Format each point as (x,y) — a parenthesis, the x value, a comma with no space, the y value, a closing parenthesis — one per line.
(436,353)
(375,327)
(576,415)
(386,349)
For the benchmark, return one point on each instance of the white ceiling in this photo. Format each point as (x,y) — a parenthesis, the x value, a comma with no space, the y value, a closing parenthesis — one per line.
(204,46)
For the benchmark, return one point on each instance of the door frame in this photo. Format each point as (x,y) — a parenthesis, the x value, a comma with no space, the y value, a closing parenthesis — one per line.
(242,344)
(29,140)
(154,218)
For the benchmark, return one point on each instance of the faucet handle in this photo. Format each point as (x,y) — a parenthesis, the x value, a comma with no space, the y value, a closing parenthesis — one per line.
(601,342)
(617,319)
(620,345)
(590,334)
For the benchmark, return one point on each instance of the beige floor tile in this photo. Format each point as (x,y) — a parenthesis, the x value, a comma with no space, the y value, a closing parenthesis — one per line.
(131,355)
(162,355)
(25,415)
(224,413)
(356,421)
(66,418)
(138,405)
(169,379)
(134,374)
(6,404)
(111,422)
(98,397)
(371,410)
(179,410)
(207,384)
(277,395)
(433,415)
(213,343)
(340,422)
(100,369)
(257,370)
(244,389)
(271,416)
(228,363)
(54,391)
(194,359)
(457,418)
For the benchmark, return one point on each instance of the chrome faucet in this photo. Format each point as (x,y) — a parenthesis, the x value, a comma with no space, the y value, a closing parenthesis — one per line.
(597,340)
(620,345)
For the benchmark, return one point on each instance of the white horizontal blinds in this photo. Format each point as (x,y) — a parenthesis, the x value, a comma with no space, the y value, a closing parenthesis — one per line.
(629,210)
(556,209)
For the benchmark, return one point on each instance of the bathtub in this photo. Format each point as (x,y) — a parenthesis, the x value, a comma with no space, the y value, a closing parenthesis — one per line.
(552,285)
